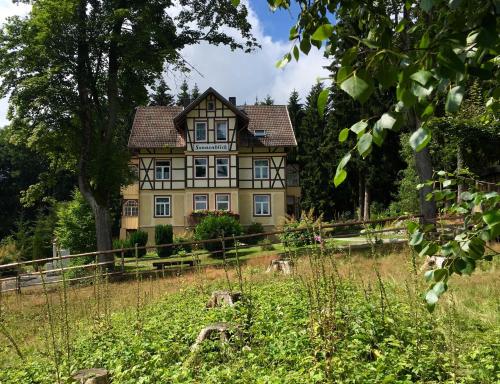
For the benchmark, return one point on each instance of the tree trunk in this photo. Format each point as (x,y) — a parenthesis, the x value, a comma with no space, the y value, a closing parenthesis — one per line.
(460,165)
(423,163)
(361,196)
(367,197)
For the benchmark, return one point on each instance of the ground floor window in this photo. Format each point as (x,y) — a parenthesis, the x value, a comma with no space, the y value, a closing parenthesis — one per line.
(200,202)
(130,208)
(222,202)
(262,205)
(162,206)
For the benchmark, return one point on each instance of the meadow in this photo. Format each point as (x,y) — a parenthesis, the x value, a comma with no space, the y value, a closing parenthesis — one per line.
(339,317)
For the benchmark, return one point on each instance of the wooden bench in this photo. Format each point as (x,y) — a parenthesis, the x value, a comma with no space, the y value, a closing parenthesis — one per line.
(176,263)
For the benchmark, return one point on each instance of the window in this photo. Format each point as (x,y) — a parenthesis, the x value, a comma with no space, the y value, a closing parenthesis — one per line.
(200,167)
(260,133)
(130,208)
(261,169)
(200,131)
(221,130)
(261,205)
(200,202)
(222,167)
(210,103)
(162,170)
(162,206)
(222,202)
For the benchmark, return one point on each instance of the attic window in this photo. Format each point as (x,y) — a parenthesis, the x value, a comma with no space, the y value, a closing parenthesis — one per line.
(260,133)
(210,103)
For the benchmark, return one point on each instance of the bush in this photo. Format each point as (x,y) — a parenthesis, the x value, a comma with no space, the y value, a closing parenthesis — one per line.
(119,244)
(75,227)
(180,245)
(266,245)
(292,236)
(164,234)
(141,239)
(253,229)
(197,216)
(43,235)
(214,227)
(9,253)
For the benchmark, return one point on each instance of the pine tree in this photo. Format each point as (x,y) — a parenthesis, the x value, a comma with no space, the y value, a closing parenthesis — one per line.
(195,92)
(184,93)
(267,101)
(161,95)
(295,109)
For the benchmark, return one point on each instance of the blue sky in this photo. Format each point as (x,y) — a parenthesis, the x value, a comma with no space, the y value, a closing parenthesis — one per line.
(245,76)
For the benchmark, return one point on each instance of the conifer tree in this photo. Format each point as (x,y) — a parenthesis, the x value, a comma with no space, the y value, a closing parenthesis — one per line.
(184,93)
(161,95)
(195,92)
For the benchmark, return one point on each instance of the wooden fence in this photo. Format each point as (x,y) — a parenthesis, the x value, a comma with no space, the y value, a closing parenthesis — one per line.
(109,270)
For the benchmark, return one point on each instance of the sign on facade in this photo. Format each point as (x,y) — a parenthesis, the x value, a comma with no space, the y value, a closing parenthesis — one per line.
(210,147)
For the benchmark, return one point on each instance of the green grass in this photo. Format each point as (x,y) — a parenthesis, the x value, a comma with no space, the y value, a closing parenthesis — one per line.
(319,325)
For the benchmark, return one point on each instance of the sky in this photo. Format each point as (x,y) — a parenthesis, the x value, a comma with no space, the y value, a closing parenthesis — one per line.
(246,76)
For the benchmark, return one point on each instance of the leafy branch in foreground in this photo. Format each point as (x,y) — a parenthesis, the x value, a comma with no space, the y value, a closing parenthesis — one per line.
(461,252)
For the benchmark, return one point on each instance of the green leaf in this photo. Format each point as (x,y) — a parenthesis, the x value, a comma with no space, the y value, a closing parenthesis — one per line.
(431,297)
(416,238)
(439,288)
(425,41)
(420,91)
(284,61)
(343,73)
(419,139)
(344,160)
(466,196)
(343,135)
(378,133)
(365,144)
(449,59)
(359,127)
(235,2)
(428,111)
(388,121)
(405,96)
(387,75)
(322,100)
(340,176)
(440,274)
(426,5)
(305,45)
(476,248)
(411,226)
(296,53)
(422,77)
(322,32)
(454,99)
(492,217)
(357,87)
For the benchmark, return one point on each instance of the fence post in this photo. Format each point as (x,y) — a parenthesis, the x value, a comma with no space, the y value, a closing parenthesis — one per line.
(18,282)
(123,260)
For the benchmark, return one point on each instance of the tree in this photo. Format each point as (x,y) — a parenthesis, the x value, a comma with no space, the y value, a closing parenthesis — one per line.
(76,69)
(425,50)
(295,109)
(161,95)
(267,101)
(195,92)
(183,95)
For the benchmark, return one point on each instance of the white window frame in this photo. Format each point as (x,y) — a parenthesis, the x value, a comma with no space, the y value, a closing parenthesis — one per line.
(197,166)
(227,196)
(163,208)
(217,122)
(165,170)
(131,208)
(259,169)
(200,201)
(205,130)
(221,165)
(259,206)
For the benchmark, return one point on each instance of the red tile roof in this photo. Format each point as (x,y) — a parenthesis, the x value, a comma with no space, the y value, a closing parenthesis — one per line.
(154,127)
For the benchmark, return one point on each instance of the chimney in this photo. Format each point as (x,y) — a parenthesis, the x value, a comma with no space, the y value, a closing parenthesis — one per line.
(232,100)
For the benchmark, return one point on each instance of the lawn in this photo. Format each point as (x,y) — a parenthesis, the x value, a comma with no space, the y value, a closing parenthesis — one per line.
(340,317)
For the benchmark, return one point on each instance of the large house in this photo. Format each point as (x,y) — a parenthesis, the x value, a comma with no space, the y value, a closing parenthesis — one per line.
(210,155)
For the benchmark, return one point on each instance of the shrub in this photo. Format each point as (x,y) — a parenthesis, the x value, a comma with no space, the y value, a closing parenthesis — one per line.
(266,245)
(119,244)
(75,227)
(180,241)
(214,227)
(141,239)
(253,229)
(292,236)
(43,235)
(9,253)
(164,234)
(197,216)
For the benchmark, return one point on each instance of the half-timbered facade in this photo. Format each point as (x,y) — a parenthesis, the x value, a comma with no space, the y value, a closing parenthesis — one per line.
(209,155)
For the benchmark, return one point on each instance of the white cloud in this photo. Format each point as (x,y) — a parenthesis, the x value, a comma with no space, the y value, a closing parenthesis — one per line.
(243,75)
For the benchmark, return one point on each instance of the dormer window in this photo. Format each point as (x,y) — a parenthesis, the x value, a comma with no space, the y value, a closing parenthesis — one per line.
(210,103)
(260,133)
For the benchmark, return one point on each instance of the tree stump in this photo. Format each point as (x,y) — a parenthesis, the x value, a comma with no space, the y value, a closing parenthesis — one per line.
(221,298)
(222,330)
(281,265)
(92,376)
